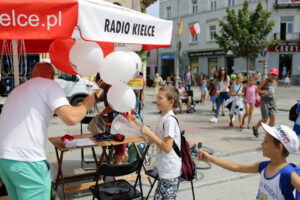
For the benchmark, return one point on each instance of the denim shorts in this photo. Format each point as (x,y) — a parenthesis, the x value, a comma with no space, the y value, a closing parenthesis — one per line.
(213,100)
(167,189)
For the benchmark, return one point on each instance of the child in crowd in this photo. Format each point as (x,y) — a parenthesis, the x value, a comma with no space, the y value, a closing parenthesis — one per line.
(278,179)
(237,92)
(203,87)
(249,99)
(167,131)
(268,108)
(212,93)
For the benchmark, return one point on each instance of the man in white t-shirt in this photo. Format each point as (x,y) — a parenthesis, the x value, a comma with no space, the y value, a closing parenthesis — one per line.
(183,97)
(24,120)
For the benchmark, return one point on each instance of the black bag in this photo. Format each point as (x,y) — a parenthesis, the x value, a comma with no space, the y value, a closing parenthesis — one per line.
(188,165)
(2,89)
(293,115)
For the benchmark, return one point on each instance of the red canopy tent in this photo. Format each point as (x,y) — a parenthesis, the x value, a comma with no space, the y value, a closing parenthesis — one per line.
(38,23)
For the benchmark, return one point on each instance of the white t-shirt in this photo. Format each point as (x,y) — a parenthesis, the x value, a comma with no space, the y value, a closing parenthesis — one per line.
(181,90)
(25,117)
(222,85)
(270,188)
(168,164)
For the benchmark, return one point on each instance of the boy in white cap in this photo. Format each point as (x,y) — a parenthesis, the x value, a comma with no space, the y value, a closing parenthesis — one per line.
(278,178)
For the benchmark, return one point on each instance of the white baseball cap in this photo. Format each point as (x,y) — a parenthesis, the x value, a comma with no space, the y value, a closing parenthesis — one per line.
(285,135)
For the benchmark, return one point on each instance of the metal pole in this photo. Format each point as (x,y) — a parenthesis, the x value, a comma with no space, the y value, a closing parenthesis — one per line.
(16,62)
(265,67)
(177,46)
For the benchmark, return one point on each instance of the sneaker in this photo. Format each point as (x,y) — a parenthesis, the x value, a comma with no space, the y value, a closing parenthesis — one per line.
(230,124)
(241,126)
(255,132)
(214,120)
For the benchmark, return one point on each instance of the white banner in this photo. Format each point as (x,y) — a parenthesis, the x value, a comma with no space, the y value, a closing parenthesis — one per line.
(102,21)
(288,1)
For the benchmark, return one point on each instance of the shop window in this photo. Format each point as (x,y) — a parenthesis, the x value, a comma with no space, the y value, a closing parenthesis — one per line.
(212,66)
(195,67)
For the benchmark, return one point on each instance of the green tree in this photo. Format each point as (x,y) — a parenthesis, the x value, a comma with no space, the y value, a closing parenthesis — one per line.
(244,33)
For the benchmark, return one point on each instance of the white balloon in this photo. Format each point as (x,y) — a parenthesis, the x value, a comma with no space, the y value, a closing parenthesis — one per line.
(121,98)
(118,67)
(137,60)
(86,57)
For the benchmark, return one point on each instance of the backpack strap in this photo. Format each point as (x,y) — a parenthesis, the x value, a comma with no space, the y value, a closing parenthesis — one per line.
(175,147)
(285,181)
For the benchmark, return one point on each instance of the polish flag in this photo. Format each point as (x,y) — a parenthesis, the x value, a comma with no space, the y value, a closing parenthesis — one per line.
(194,29)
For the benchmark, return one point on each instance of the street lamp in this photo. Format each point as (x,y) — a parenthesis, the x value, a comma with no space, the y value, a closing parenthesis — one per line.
(177,46)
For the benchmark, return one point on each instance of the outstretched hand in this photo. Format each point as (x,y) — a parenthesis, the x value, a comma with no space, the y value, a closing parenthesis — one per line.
(203,156)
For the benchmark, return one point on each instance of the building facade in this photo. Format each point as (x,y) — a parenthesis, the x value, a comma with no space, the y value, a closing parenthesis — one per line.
(203,54)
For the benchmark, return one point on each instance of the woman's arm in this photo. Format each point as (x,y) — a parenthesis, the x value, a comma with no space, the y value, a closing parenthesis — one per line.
(106,110)
(261,85)
(165,145)
(229,165)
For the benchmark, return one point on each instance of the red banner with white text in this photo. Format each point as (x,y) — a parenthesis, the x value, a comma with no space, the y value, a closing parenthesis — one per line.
(38,20)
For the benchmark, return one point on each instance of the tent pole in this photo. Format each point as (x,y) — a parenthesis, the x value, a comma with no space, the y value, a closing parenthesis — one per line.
(16,62)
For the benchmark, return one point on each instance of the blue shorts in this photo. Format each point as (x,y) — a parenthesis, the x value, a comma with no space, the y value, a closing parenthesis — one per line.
(213,100)
(167,189)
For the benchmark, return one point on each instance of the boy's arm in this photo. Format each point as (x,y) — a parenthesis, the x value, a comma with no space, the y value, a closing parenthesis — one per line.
(229,165)
(295,180)
(165,145)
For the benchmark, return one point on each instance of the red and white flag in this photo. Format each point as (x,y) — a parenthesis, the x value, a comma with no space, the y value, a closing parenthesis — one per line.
(194,29)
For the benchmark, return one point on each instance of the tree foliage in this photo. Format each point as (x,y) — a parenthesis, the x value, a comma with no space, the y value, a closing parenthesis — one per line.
(244,33)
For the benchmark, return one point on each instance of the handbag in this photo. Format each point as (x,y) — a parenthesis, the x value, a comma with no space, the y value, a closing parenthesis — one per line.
(257,102)
(98,123)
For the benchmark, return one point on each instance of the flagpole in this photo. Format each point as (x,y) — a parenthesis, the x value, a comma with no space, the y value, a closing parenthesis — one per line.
(178,46)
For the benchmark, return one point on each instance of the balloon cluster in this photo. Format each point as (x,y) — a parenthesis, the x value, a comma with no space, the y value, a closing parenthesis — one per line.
(87,58)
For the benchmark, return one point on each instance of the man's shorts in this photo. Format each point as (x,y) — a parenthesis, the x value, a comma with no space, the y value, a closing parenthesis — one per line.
(167,189)
(26,180)
(267,109)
